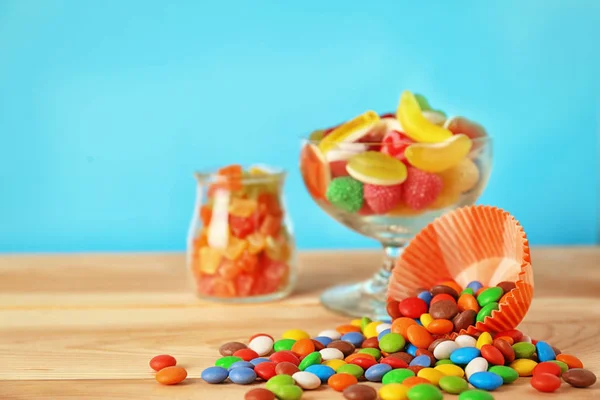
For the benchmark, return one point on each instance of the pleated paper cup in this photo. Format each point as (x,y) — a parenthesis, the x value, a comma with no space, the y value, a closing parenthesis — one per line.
(475,243)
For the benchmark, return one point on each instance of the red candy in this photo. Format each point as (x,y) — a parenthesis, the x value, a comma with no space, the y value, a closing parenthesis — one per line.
(394,362)
(284,355)
(547,368)
(440,297)
(363,362)
(246,354)
(382,199)
(513,333)
(163,361)
(266,370)
(416,368)
(412,307)
(545,382)
(392,309)
(421,188)
(394,144)
(492,354)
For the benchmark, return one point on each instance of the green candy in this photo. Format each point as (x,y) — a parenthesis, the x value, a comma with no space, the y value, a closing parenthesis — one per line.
(227,361)
(374,352)
(351,369)
(396,376)
(287,392)
(468,291)
(507,374)
(283,344)
(424,391)
(345,193)
(486,311)
(490,295)
(442,362)
(311,359)
(392,342)
(563,367)
(423,102)
(453,384)
(364,321)
(523,349)
(475,395)
(278,381)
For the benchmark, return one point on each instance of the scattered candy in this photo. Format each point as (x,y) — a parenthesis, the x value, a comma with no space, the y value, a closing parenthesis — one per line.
(453,384)
(163,361)
(424,391)
(215,375)
(171,375)
(306,380)
(259,394)
(341,381)
(579,377)
(360,392)
(508,374)
(544,382)
(242,376)
(475,395)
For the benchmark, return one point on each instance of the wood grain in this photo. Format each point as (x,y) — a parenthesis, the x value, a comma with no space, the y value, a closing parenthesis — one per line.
(85,326)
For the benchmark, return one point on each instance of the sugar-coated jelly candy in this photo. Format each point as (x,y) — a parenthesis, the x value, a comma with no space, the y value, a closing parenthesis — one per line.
(350,131)
(414,123)
(377,169)
(438,157)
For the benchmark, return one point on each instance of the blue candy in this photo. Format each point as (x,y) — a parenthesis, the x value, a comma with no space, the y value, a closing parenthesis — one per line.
(545,352)
(241,364)
(354,337)
(464,355)
(383,333)
(418,321)
(425,296)
(486,380)
(324,340)
(214,374)
(475,285)
(259,360)
(376,372)
(422,360)
(324,372)
(411,349)
(242,376)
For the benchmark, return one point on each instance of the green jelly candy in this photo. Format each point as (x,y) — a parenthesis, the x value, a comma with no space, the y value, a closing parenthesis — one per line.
(486,311)
(279,380)
(490,295)
(283,344)
(424,391)
(392,342)
(423,102)
(311,359)
(396,376)
(374,352)
(345,193)
(507,374)
(443,361)
(563,367)
(227,361)
(287,392)
(351,369)
(523,349)
(364,321)
(468,291)
(475,395)
(453,384)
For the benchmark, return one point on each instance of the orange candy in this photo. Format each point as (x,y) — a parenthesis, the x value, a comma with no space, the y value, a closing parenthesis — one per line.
(401,325)
(233,174)
(343,329)
(419,336)
(235,248)
(256,242)
(205,215)
(440,326)
(571,361)
(339,382)
(507,339)
(247,262)
(468,302)
(303,347)
(171,375)
(414,380)
(270,226)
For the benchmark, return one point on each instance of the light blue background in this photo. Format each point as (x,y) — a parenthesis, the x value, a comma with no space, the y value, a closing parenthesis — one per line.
(106,107)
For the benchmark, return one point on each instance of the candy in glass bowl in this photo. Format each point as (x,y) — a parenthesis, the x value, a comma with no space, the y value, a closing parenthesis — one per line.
(387,177)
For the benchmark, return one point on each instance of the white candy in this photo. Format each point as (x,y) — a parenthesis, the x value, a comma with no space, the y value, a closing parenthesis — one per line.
(261,344)
(443,350)
(344,151)
(218,232)
(383,327)
(465,341)
(331,334)
(331,354)
(478,364)
(306,380)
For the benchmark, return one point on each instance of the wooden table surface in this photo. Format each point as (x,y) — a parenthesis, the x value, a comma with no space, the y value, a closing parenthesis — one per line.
(85,326)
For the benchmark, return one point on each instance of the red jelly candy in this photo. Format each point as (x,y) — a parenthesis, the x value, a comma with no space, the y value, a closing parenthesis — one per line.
(394,144)
(545,382)
(242,226)
(412,307)
(265,370)
(547,368)
(284,355)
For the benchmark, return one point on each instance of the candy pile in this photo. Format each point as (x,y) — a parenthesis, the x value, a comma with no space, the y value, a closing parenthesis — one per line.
(397,165)
(242,247)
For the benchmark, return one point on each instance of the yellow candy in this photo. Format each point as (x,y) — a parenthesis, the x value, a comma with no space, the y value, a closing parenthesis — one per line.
(431,374)
(415,124)
(209,260)
(242,207)
(335,364)
(523,366)
(393,391)
(451,370)
(438,157)
(376,168)
(235,248)
(350,131)
(296,334)
(317,135)
(426,319)
(371,329)
(356,322)
(484,339)
(462,177)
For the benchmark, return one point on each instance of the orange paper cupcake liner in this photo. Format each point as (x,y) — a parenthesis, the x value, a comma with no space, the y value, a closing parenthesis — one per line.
(480,243)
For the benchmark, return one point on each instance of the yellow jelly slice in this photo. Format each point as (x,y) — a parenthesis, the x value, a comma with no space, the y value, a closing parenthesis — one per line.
(350,131)
(438,157)
(376,168)
(415,124)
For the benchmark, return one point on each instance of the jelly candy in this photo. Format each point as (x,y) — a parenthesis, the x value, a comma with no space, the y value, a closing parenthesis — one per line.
(463,125)
(438,157)
(377,169)
(235,248)
(394,144)
(415,125)
(315,171)
(344,151)
(435,117)
(350,131)
(210,259)
(346,194)
(461,178)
